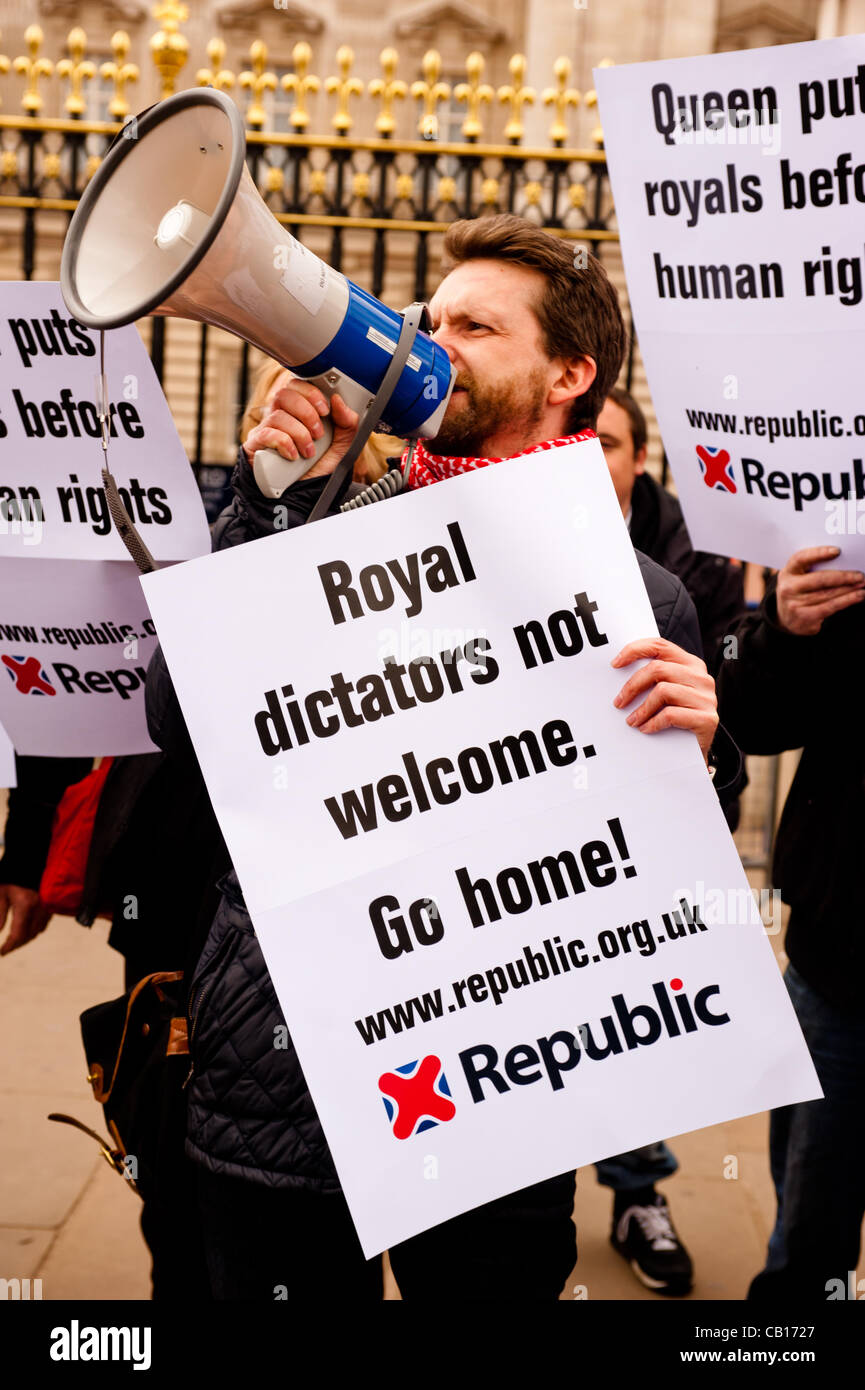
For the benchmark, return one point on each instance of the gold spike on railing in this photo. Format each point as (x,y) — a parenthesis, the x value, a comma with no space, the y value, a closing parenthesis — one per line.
(168,47)
(216,75)
(119,72)
(258,80)
(474,93)
(387,89)
(302,84)
(592,100)
(32,67)
(343,87)
(517,96)
(430,91)
(4,64)
(560,98)
(77,69)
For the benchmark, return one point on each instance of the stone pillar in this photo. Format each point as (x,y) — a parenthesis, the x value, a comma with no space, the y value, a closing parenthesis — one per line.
(837,17)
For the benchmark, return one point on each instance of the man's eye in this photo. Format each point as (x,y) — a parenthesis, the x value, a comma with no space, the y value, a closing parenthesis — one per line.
(472,325)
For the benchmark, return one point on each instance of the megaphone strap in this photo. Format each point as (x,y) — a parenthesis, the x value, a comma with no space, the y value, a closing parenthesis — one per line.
(412,321)
(123,523)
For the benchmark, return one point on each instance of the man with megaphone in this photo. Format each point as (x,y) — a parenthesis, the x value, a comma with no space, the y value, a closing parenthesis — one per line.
(535,342)
(528,341)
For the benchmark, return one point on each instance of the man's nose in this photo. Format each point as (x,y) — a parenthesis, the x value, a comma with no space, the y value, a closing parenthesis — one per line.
(444,340)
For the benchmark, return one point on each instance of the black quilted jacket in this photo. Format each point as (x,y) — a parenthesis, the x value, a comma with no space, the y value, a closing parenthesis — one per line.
(250,1113)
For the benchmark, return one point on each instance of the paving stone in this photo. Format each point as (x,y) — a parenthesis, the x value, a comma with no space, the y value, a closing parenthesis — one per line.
(99,1251)
(22,1248)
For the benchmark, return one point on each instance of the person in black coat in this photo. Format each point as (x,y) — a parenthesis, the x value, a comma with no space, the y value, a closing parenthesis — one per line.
(275,1218)
(796,682)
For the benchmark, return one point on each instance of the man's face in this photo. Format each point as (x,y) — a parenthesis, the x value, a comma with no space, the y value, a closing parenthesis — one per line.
(614,432)
(484,317)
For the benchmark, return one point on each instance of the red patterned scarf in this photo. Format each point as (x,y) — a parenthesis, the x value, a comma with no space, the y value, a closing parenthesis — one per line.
(435,468)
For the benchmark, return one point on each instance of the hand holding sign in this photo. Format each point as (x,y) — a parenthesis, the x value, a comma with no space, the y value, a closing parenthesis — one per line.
(806,597)
(681,693)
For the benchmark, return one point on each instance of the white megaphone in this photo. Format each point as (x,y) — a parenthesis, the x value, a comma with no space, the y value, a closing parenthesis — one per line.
(171,223)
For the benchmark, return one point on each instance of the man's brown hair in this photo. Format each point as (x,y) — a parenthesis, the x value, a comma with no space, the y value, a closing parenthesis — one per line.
(636,419)
(578,310)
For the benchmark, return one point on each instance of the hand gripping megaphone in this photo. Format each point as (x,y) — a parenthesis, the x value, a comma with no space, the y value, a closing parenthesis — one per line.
(172,223)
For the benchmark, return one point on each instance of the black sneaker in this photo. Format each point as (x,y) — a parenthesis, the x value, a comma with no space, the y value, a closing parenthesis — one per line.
(646,1237)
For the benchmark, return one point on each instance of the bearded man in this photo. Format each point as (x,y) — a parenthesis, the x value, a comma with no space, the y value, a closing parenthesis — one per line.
(537,340)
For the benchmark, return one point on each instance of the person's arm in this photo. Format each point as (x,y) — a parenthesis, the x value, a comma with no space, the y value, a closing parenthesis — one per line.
(773,685)
(27,837)
(679,691)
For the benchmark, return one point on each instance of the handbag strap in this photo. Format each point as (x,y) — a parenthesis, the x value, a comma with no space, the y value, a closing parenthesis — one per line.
(159,978)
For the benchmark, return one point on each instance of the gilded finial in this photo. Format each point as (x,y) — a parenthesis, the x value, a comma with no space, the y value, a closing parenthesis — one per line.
(77,69)
(119,72)
(474,93)
(592,100)
(560,98)
(387,89)
(517,96)
(343,87)
(32,67)
(168,47)
(216,75)
(302,84)
(430,91)
(258,80)
(4,65)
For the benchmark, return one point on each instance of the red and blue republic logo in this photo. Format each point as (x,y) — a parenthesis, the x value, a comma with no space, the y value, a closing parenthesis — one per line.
(716,468)
(416,1097)
(28,675)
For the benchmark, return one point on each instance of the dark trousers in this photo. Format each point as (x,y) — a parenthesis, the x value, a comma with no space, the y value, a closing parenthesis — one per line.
(816,1152)
(276,1244)
(265,1244)
(522,1246)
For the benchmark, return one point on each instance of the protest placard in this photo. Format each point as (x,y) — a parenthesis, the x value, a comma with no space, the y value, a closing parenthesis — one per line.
(75,640)
(51,500)
(739,182)
(7,760)
(464,867)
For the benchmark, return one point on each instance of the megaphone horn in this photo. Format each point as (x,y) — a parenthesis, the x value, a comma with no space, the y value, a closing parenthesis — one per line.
(172,223)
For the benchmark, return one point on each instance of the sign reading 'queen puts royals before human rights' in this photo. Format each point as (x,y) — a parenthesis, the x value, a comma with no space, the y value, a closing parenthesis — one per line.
(739,184)
(479,892)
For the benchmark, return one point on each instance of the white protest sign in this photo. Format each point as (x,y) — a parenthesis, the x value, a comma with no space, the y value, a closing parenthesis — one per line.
(464,867)
(51,500)
(75,640)
(7,760)
(739,184)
